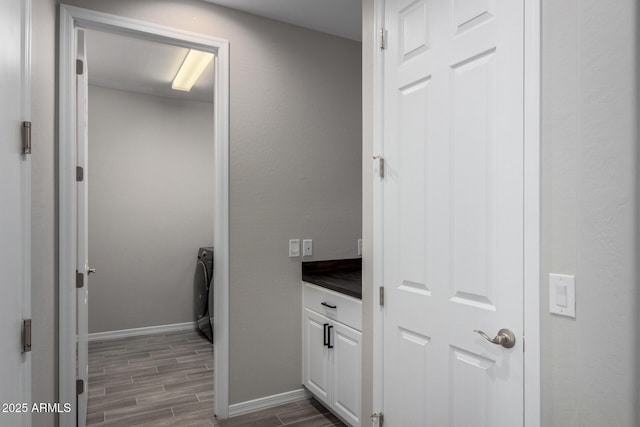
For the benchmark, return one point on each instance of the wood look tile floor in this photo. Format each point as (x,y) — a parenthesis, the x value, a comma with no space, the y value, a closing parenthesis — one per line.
(303,413)
(151,380)
(167,380)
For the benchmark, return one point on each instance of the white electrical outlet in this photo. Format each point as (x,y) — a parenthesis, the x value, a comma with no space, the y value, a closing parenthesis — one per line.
(359,247)
(307,247)
(294,248)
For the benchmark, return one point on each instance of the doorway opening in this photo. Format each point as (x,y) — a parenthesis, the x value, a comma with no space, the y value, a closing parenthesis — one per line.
(150,177)
(73,207)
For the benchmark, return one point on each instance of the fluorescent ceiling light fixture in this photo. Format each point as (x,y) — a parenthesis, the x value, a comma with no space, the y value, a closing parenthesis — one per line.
(191,69)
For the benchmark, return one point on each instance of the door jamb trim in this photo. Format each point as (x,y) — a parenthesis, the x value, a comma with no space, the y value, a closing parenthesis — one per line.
(72,18)
(532,209)
(378,242)
(25,191)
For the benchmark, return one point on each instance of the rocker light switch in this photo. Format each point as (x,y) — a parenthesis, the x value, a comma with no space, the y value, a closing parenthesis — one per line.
(562,295)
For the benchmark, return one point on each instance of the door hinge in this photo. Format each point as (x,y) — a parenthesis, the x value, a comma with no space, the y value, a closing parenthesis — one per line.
(26,137)
(26,335)
(79,280)
(383,39)
(381,165)
(377,417)
(79,387)
(79,66)
(381,296)
(79,173)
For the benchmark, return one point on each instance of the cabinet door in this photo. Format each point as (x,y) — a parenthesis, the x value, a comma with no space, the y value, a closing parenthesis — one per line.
(346,384)
(316,361)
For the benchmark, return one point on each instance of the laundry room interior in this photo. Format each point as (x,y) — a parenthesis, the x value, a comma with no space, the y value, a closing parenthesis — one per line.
(151,180)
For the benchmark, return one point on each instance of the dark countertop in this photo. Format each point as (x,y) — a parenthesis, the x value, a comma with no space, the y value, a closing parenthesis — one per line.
(344,275)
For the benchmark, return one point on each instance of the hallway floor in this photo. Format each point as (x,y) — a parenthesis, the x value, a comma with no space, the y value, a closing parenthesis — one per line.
(167,380)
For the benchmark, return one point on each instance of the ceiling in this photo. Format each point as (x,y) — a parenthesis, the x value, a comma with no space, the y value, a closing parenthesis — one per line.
(131,64)
(341,18)
(136,65)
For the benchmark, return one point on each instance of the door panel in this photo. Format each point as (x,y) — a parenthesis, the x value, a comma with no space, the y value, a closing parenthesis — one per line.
(453,211)
(472,389)
(316,366)
(473,207)
(414,30)
(413,365)
(413,102)
(346,397)
(470,13)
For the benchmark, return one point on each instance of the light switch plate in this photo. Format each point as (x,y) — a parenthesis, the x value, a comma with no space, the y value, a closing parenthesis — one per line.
(307,247)
(294,248)
(562,295)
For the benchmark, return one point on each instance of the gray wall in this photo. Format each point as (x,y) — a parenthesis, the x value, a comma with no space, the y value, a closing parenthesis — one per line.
(295,164)
(150,206)
(589,211)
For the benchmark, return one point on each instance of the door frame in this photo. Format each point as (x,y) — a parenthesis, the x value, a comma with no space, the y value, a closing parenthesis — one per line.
(25,113)
(532,204)
(72,18)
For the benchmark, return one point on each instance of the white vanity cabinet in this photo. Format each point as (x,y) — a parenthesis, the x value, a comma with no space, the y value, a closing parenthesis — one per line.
(332,350)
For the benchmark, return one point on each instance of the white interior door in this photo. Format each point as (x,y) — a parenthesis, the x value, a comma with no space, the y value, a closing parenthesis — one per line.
(453,212)
(15,216)
(83,232)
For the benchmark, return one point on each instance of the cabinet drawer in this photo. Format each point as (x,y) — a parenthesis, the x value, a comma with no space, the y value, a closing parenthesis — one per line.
(348,310)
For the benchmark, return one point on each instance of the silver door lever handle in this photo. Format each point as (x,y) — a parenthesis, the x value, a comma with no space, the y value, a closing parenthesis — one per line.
(91,270)
(505,338)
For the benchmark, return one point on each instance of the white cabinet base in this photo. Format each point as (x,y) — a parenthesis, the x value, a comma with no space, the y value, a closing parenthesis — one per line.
(332,351)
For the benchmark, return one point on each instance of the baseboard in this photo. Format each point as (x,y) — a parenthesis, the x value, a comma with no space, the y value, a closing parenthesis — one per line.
(267,402)
(123,333)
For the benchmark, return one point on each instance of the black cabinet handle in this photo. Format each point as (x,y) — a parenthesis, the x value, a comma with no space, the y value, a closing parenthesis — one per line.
(329,333)
(325,341)
(329,305)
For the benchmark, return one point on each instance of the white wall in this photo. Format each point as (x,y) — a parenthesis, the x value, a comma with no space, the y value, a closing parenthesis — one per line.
(590,211)
(151,205)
